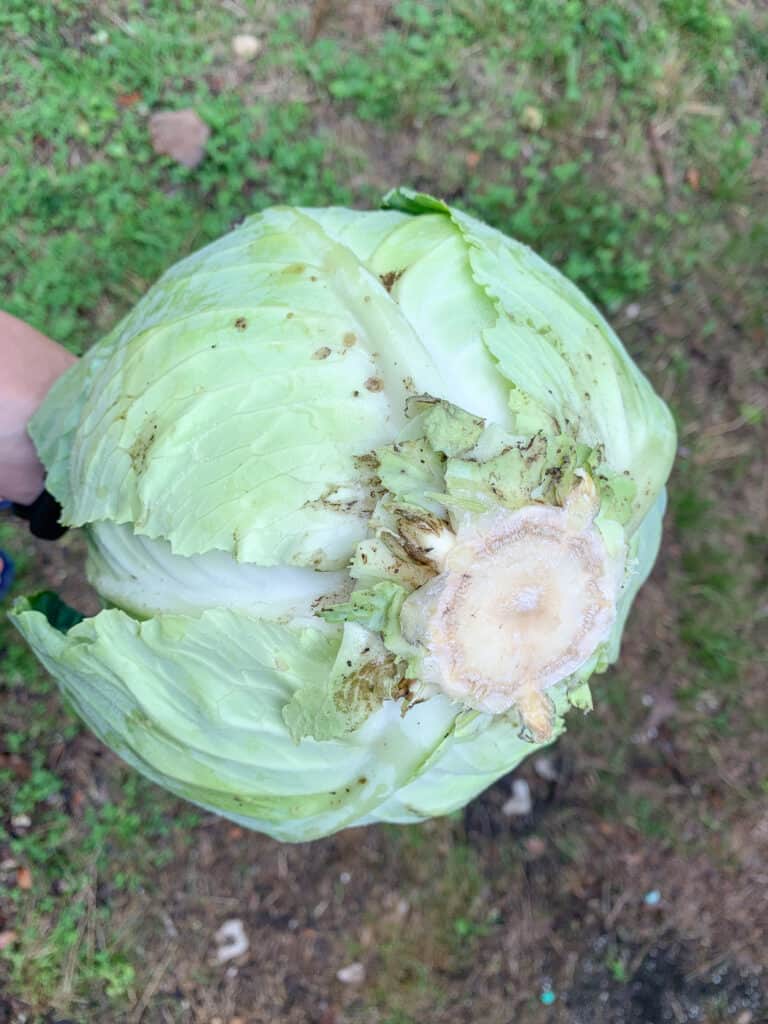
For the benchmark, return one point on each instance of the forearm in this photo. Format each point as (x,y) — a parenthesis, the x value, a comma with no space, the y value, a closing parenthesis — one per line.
(29,365)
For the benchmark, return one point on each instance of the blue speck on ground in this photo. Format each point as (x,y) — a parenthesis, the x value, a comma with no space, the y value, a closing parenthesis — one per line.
(6,573)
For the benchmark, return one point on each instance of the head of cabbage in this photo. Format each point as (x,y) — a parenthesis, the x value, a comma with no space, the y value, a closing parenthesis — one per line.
(367,497)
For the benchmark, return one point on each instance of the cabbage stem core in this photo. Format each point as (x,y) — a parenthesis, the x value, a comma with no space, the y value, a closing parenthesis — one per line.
(522,600)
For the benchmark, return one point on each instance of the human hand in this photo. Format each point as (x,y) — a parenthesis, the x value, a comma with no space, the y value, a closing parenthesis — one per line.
(29,365)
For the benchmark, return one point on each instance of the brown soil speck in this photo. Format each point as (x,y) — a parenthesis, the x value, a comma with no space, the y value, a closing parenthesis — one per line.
(390,278)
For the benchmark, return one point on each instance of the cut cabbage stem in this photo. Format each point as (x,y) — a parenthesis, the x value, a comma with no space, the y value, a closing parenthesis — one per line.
(522,600)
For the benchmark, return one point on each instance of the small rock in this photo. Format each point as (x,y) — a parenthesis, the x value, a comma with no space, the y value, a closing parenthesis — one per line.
(320,909)
(535,846)
(179,134)
(170,928)
(708,702)
(520,803)
(231,940)
(545,769)
(246,47)
(345,878)
(352,974)
(21,821)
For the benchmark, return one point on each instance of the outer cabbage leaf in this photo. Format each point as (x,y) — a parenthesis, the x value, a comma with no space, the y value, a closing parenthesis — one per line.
(143,576)
(211,729)
(478,752)
(228,410)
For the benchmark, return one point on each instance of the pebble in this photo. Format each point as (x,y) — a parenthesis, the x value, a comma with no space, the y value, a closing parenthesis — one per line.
(246,47)
(231,940)
(352,974)
(520,803)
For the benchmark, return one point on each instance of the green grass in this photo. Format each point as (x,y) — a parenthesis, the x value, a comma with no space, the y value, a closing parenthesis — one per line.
(91,215)
(623,141)
(87,853)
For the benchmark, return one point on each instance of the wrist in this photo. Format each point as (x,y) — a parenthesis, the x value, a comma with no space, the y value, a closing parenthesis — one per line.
(31,363)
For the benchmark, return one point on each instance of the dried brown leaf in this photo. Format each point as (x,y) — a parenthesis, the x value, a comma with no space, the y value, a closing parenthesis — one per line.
(128,99)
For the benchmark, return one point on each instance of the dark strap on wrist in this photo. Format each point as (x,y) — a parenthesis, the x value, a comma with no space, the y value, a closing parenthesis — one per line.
(42,516)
